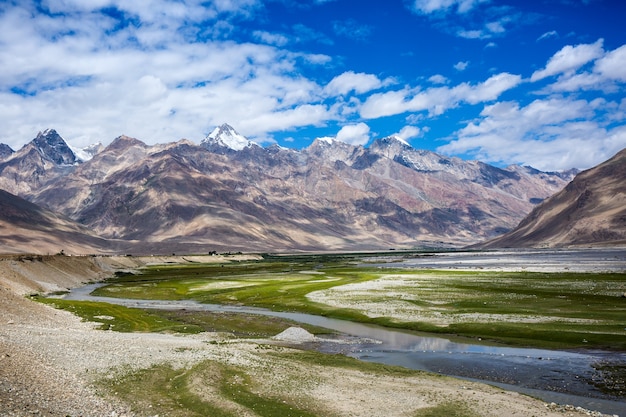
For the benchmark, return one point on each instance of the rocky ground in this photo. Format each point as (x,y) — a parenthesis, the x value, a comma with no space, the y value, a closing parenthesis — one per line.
(49,359)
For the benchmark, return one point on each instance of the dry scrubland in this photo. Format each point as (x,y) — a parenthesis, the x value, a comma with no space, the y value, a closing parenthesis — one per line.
(53,364)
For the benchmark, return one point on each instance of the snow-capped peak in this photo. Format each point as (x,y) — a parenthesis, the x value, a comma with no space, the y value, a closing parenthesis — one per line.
(327,139)
(225,135)
(399,139)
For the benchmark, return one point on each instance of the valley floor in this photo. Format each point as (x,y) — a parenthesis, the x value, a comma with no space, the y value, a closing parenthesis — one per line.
(50,360)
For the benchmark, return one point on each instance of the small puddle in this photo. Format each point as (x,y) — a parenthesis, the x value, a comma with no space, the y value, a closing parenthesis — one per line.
(553,376)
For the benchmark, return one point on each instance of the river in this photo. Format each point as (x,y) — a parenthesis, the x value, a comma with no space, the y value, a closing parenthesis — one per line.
(554,376)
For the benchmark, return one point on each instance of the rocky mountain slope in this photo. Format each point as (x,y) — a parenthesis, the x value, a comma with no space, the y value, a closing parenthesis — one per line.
(5,151)
(27,228)
(589,211)
(45,158)
(229,193)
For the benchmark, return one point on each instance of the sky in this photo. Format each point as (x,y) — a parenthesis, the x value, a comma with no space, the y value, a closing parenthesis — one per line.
(539,83)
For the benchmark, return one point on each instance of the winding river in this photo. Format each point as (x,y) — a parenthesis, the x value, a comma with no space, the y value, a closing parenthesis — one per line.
(553,376)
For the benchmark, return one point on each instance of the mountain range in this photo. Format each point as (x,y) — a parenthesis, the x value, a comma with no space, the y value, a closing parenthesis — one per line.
(228,193)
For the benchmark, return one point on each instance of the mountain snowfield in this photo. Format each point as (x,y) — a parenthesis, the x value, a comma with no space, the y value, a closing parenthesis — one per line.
(229,193)
(227,137)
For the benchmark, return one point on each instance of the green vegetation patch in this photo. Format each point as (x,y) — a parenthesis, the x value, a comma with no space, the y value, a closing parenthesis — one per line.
(162,390)
(124,319)
(239,324)
(552,310)
(207,389)
(448,409)
(120,318)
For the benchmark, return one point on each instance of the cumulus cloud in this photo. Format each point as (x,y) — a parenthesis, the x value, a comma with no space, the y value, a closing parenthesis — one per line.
(438,79)
(612,65)
(559,131)
(351,81)
(569,59)
(437,100)
(461,65)
(410,132)
(488,90)
(550,134)
(355,134)
(605,75)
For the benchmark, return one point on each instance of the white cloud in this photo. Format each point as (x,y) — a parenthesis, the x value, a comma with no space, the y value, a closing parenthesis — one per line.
(551,134)
(386,104)
(438,79)
(495,27)
(561,131)
(472,34)
(356,134)
(612,65)
(351,81)
(488,90)
(436,100)
(605,75)
(409,132)
(432,6)
(461,65)
(284,119)
(550,34)
(271,38)
(569,59)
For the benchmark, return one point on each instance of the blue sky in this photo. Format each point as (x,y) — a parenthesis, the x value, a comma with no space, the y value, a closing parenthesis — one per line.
(540,83)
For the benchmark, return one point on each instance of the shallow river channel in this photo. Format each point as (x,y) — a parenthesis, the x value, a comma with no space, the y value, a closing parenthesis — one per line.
(553,376)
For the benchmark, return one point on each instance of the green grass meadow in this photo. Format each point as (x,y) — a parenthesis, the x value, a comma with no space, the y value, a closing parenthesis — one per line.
(552,310)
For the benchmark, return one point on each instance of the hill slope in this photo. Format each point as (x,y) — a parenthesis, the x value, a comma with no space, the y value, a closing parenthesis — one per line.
(27,228)
(590,210)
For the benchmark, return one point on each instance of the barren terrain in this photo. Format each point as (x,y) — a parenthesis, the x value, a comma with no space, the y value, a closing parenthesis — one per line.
(50,361)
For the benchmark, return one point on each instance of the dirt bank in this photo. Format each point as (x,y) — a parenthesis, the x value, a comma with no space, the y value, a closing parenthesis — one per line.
(49,359)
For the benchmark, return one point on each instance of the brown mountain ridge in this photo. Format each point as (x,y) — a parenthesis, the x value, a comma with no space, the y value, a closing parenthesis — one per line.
(28,228)
(589,211)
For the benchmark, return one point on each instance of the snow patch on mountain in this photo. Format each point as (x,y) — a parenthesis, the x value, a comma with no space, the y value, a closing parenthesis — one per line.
(88,152)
